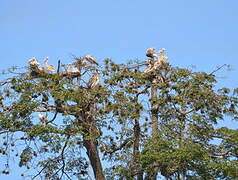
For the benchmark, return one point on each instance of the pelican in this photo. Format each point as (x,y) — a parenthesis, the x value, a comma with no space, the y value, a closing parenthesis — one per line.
(41,116)
(150,67)
(93,80)
(42,119)
(33,62)
(157,64)
(72,70)
(91,59)
(35,69)
(163,59)
(47,67)
(151,52)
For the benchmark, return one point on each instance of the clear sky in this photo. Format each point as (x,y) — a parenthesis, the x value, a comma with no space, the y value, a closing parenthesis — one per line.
(203,33)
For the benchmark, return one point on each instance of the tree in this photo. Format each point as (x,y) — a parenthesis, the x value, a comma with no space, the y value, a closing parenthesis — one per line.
(143,120)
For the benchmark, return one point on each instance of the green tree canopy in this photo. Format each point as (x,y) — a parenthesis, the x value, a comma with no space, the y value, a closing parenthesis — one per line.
(138,120)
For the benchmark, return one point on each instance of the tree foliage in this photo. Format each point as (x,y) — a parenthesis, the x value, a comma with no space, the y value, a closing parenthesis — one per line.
(143,120)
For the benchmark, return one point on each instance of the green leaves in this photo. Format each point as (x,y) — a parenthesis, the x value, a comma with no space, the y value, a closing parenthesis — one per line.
(118,116)
(26,156)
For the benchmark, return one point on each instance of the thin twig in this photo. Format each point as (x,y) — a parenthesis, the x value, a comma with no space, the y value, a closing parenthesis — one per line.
(40,172)
(43,110)
(121,146)
(217,69)
(62,158)
(53,117)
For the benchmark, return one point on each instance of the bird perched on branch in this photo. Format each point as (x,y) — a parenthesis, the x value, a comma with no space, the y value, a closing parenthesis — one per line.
(72,70)
(43,119)
(48,68)
(151,52)
(93,80)
(35,69)
(150,65)
(33,62)
(163,58)
(91,59)
(157,63)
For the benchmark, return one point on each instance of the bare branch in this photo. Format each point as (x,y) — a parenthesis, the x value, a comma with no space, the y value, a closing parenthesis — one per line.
(217,69)
(40,171)
(121,146)
(43,110)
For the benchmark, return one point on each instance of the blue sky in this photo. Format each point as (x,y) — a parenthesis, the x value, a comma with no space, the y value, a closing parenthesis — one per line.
(201,33)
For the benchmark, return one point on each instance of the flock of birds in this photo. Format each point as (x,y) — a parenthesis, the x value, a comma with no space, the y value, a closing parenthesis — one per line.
(36,68)
(81,62)
(155,62)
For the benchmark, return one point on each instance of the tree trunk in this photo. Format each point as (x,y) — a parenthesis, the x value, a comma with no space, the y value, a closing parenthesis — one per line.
(154,112)
(90,143)
(155,126)
(136,152)
(92,152)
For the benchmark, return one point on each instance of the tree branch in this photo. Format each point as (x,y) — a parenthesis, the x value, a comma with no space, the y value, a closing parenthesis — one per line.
(217,69)
(121,146)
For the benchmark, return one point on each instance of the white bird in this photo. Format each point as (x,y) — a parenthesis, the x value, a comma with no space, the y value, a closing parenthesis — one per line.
(150,67)
(163,59)
(157,64)
(34,66)
(33,62)
(47,67)
(151,52)
(41,116)
(42,119)
(93,80)
(72,70)
(91,59)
